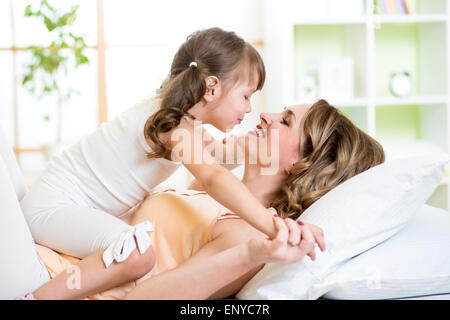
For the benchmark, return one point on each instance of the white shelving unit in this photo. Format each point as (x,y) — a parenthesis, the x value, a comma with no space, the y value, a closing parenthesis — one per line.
(298,31)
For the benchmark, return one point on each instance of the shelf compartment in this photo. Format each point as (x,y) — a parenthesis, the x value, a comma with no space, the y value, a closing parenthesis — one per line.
(413,100)
(413,55)
(356,102)
(357,114)
(412,130)
(413,18)
(421,7)
(312,43)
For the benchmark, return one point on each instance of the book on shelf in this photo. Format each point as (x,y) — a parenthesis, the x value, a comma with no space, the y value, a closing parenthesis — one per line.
(406,6)
(392,7)
(380,7)
(399,6)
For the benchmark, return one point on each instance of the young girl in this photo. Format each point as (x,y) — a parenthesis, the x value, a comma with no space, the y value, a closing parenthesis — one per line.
(74,207)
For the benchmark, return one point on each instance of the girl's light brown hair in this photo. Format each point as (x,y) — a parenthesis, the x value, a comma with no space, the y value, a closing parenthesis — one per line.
(333,150)
(217,53)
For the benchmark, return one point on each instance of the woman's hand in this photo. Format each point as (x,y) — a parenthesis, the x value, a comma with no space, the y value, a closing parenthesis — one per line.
(279,249)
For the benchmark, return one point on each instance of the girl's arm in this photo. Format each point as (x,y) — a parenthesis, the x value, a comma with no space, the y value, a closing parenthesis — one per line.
(228,190)
(217,181)
(228,153)
(195,185)
(222,267)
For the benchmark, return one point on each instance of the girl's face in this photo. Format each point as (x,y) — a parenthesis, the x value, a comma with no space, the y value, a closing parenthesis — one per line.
(278,135)
(230,107)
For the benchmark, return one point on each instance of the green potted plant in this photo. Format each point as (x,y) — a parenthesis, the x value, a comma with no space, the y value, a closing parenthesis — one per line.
(49,64)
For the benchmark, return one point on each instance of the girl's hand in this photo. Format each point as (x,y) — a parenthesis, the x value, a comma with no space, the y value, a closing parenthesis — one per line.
(297,228)
(278,249)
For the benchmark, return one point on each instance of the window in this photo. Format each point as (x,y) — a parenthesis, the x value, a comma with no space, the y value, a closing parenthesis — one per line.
(131,46)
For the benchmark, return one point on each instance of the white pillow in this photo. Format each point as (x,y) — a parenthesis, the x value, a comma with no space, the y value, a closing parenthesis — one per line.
(414,262)
(355,216)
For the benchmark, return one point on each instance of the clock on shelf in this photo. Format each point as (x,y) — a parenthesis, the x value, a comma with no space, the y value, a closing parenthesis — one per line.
(401,84)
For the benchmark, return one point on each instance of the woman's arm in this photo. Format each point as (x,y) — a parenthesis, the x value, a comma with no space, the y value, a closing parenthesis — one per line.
(220,268)
(214,266)
(200,278)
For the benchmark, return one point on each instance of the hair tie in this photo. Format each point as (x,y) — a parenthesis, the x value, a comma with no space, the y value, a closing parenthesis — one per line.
(193,64)
(187,114)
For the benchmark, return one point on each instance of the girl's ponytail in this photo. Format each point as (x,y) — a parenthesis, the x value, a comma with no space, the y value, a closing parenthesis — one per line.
(211,52)
(177,96)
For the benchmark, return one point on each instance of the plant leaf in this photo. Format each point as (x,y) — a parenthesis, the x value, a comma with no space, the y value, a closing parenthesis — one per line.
(49,24)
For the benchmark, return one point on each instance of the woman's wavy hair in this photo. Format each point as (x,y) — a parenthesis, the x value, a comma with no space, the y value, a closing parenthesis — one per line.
(217,53)
(333,150)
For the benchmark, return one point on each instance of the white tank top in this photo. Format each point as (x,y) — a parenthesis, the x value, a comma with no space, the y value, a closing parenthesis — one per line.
(109,169)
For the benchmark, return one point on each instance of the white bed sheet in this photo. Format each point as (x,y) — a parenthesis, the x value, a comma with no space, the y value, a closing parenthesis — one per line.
(445,296)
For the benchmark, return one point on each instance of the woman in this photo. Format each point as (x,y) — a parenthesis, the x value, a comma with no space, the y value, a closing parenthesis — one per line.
(204,252)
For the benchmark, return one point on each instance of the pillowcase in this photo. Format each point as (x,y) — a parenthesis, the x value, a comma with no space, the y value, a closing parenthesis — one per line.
(355,216)
(414,262)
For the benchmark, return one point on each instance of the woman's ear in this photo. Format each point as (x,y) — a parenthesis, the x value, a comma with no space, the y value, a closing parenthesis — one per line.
(289,170)
(212,88)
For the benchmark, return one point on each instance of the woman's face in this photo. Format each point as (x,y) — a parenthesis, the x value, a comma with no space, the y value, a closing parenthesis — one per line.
(277,138)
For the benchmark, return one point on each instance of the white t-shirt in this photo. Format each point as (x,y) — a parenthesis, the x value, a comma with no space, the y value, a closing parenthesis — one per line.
(109,169)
